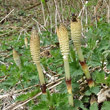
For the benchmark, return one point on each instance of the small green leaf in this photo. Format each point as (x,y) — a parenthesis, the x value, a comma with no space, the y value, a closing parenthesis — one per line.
(106,106)
(88,93)
(22,97)
(95,90)
(78,104)
(100,77)
(41,106)
(28,95)
(94,63)
(94,106)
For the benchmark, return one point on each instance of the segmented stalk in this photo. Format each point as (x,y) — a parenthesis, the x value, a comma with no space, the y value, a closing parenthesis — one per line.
(16,58)
(35,52)
(64,46)
(76,36)
(26,42)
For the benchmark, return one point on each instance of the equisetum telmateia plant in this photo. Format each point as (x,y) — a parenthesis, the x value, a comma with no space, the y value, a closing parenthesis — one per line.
(16,58)
(76,35)
(35,52)
(64,46)
(26,42)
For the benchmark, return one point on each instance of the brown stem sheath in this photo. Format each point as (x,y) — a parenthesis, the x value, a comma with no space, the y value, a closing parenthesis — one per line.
(69,88)
(86,71)
(43,88)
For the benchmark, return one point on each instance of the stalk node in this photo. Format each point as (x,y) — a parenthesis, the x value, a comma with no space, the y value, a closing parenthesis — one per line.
(82,62)
(68,82)
(90,82)
(43,88)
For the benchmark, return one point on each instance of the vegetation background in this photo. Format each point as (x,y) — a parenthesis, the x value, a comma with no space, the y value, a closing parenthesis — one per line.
(19,88)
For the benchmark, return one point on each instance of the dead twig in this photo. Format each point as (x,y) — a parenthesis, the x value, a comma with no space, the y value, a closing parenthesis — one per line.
(33,6)
(22,90)
(7,15)
(25,102)
(3,79)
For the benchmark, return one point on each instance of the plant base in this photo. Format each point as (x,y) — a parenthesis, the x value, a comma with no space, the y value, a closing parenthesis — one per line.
(87,73)
(43,88)
(69,88)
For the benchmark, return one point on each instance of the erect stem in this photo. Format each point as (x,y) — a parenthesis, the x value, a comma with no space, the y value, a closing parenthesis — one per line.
(87,73)
(84,67)
(80,54)
(41,77)
(69,88)
(62,34)
(66,66)
(76,37)
(35,52)
(68,80)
